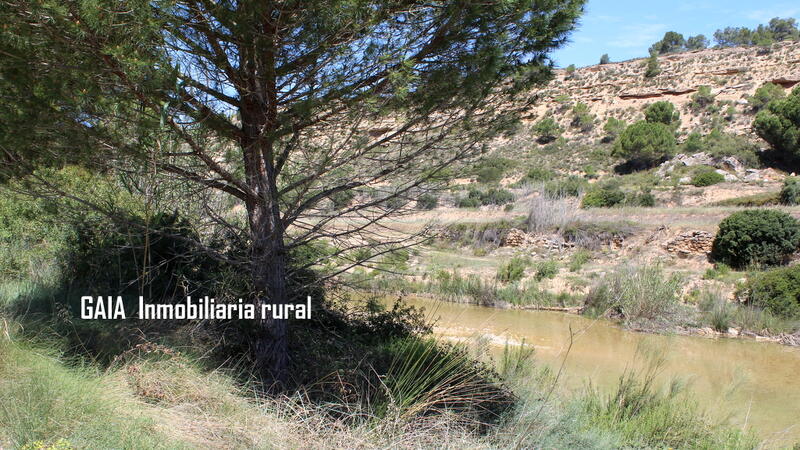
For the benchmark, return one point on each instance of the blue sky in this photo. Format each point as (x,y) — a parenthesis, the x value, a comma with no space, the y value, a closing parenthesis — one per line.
(625,29)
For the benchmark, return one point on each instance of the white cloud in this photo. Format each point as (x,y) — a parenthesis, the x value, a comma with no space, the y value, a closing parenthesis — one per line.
(638,36)
(764,15)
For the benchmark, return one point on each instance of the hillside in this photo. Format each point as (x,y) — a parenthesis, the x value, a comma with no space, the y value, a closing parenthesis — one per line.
(621,90)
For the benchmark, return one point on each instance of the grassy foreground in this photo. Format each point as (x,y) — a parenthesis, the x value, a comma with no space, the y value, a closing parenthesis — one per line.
(154,396)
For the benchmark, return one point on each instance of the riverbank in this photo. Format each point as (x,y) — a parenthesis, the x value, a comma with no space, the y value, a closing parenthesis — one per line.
(744,382)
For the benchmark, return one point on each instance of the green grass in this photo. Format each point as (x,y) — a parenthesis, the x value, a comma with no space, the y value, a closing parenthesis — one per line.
(43,400)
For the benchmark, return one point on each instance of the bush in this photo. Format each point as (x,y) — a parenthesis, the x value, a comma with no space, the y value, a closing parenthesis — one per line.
(707,177)
(491,170)
(547,130)
(613,128)
(652,68)
(662,112)
(605,59)
(702,99)
(790,193)
(538,174)
(549,213)
(427,201)
(779,124)
(546,269)
(646,142)
(603,198)
(756,236)
(468,202)
(776,290)
(643,292)
(582,118)
(493,196)
(513,270)
(571,186)
(765,95)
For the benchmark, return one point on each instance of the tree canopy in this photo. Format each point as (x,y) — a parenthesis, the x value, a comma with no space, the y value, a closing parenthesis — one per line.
(279,106)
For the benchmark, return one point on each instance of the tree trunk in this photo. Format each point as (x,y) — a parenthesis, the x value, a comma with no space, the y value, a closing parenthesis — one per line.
(269,260)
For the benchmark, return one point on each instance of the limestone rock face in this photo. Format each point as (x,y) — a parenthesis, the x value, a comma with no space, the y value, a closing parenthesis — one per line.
(690,242)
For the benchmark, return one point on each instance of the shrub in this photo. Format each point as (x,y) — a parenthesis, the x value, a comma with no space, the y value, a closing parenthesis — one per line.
(652,67)
(662,112)
(756,236)
(546,269)
(779,124)
(764,95)
(613,128)
(491,170)
(776,290)
(790,193)
(582,118)
(642,292)
(547,130)
(513,270)
(538,174)
(578,259)
(707,177)
(468,202)
(702,99)
(603,198)
(477,198)
(646,142)
(605,59)
(571,186)
(496,196)
(427,201)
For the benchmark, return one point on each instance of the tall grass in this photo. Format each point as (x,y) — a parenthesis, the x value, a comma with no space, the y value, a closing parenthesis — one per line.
(649,416)
(635,293)
(549,213)
(42,400)
(426,376)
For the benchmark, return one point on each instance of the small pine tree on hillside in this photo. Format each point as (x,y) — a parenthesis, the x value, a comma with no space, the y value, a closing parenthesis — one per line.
(652,68)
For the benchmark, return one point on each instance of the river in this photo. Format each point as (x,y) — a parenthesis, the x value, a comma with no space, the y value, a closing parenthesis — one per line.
(750,384)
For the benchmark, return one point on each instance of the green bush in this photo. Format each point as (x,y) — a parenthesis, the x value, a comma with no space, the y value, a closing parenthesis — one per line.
(646,142)
(427,201)
(702,99)
(538,174)
(571,186)
(779,124)
(764,95)
(756,236)
(547,130)
(513,270)
(546,269)
(652,67)
(603,198)
(790,193)
(477,198)
(492,169)
(613,128)
(707,177)
(468,202)
(663,112)
(582,118)
(642,292)
(776,290)
(605,59)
